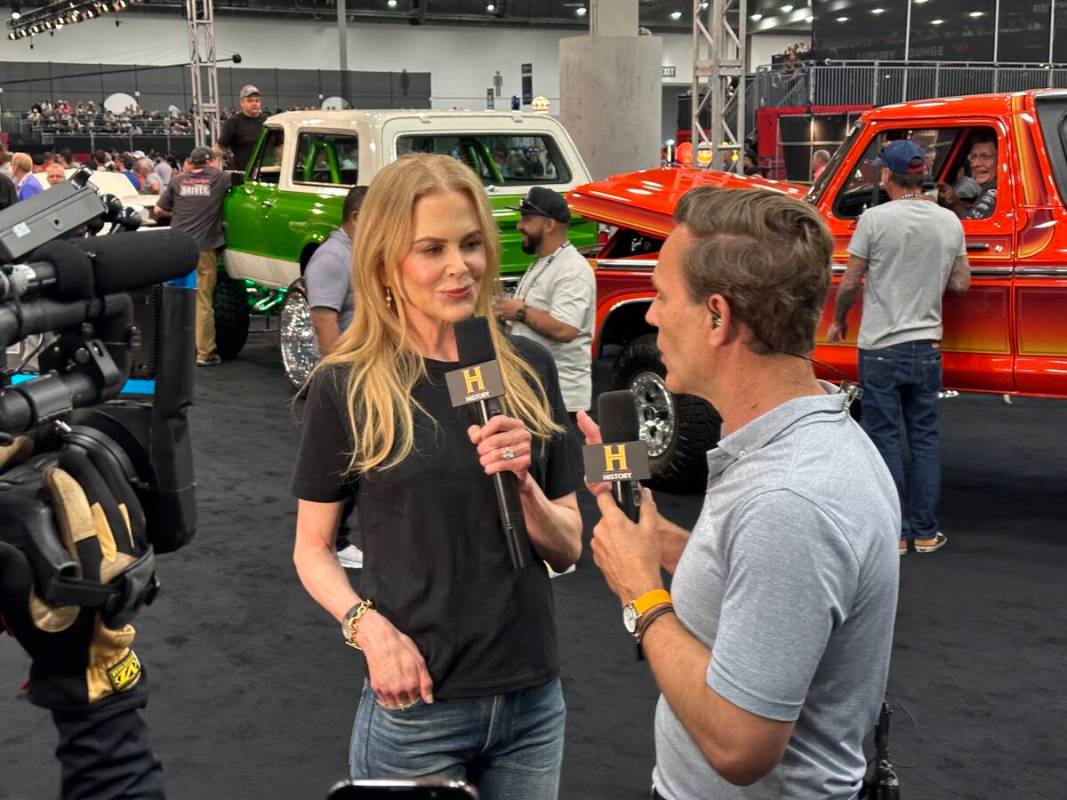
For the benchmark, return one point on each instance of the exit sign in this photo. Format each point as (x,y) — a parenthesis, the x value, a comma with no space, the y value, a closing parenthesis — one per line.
(665,71)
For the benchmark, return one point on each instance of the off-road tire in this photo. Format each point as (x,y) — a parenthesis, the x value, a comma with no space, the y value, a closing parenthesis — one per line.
(231,316)
(297,339)
(681,463)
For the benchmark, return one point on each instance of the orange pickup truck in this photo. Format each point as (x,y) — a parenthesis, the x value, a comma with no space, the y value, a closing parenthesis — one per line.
(1007,335)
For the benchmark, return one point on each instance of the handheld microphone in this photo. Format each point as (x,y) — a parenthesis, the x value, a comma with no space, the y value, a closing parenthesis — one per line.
(479,383)
(617,418)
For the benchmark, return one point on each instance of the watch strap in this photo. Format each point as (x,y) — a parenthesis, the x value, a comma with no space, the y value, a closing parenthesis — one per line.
(650,600)
(520,315)
(643,623)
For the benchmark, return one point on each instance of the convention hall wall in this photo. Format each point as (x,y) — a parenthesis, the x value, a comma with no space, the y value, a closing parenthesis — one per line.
(461,61)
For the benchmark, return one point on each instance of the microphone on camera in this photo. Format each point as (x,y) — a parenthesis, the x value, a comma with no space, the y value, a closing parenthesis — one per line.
(621,458)
(478,382)
(138,260)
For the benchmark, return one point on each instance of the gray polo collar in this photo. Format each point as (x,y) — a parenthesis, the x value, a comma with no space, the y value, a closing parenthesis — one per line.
(758,433)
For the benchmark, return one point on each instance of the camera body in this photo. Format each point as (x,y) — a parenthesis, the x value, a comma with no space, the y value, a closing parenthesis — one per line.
(66,309)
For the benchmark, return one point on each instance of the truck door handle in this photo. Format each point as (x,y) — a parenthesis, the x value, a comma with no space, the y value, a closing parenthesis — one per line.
(977,246)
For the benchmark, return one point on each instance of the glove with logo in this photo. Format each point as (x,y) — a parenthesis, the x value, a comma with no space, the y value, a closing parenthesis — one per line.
(76,630)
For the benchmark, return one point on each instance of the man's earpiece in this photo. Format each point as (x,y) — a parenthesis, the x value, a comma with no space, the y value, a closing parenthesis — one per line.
(716,320)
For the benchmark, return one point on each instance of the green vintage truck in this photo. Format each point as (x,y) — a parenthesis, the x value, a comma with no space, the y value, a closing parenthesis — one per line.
(301,169)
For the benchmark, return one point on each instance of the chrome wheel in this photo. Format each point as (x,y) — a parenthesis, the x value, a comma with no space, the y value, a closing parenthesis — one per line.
(299,354)
(655,412)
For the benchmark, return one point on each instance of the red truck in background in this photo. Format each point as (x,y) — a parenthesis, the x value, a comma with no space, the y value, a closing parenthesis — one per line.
(1007,335)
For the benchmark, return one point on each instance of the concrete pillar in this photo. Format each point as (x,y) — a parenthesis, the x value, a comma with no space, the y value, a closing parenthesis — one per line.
(613,18)
(611,97)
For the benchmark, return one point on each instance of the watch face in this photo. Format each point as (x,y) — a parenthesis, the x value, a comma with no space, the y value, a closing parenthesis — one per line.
(629,618)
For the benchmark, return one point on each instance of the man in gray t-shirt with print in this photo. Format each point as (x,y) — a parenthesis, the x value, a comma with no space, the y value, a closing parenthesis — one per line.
(910,251)
(771,650)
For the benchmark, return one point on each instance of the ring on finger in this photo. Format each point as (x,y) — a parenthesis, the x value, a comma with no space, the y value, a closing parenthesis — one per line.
(507,454)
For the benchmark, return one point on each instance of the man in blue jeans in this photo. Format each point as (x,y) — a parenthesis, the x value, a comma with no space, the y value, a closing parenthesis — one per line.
(910,250)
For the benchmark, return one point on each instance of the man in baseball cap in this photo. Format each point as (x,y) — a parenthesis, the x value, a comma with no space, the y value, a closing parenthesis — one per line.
(554,301)
(910,251)
(193,201)
(240,131)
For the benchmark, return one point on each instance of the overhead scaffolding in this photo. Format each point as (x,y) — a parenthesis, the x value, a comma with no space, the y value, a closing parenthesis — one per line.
(718,90)
(204,71)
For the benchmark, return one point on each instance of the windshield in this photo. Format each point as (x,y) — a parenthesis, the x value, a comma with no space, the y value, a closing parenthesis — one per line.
(816,190)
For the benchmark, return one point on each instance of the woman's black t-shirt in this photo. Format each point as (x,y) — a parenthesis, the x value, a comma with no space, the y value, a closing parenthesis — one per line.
(434,558)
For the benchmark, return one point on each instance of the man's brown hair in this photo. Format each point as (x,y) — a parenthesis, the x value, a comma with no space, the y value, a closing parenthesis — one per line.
(767,254)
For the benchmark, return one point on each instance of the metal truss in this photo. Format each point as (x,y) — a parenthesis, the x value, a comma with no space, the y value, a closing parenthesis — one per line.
(204,71)
(718,88)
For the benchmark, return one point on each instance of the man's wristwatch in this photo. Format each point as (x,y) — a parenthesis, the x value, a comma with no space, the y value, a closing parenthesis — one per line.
(350,623)
(520,315)
(638,613)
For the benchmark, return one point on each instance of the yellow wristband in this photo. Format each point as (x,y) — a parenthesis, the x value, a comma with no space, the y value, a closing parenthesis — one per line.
(650,600)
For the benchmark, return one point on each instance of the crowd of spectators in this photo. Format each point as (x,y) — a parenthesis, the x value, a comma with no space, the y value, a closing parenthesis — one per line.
(793,55)
(64,117)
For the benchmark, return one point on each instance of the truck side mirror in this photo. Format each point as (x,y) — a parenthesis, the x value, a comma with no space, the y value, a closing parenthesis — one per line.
(237,178)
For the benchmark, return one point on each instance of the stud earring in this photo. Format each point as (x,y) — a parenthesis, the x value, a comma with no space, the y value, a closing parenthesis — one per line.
(389,297)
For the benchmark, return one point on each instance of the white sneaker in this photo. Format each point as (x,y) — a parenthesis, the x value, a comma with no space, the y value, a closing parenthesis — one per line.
(553,574)
(351,557)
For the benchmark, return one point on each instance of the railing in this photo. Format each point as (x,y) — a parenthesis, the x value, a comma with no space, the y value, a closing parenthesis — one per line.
(879,83)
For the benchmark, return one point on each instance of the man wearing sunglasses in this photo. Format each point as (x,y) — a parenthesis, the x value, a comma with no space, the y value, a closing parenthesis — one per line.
(983,162)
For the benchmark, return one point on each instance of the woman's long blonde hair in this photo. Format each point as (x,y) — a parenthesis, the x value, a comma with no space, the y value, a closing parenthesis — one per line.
(375,354)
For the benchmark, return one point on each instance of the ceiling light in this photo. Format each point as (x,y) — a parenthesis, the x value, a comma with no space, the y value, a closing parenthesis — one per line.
(703,6)
(786,9)
(976,14)
(391,3)
(877,11)
(937,21)
(842,19)
(919,2)
(580,11)
(756,17)
(16,11)
(490,8)
(676,15)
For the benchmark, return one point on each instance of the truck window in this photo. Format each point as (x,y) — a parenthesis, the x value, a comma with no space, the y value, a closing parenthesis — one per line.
(326,158)
(1052,115)
(946,155)
(498,159)
(267,165)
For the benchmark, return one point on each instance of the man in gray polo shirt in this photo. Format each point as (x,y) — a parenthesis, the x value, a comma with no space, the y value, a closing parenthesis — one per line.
(329,277)
(772,649)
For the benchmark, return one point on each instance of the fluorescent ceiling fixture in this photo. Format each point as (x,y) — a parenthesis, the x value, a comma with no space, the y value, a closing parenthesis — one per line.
(877,11)
(976,14)
(842,19)
(756,17)
(786,9)
(937,21)
(676,15)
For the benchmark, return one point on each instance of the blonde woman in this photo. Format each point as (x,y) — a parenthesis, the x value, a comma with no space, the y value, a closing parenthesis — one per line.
(463,670)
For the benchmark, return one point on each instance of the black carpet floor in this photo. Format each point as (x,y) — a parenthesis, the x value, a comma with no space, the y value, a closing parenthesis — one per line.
(254,693)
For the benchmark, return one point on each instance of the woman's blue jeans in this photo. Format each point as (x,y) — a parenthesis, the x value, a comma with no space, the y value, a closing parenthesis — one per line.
(508,746)
(901,384)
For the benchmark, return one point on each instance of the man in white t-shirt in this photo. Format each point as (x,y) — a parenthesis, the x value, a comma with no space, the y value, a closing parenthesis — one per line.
(555,301)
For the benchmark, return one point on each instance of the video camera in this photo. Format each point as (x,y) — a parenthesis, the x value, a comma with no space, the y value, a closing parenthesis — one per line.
(96,308)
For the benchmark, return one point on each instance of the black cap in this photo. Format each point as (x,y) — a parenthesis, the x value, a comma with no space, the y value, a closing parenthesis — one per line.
(543,202)
(200,156)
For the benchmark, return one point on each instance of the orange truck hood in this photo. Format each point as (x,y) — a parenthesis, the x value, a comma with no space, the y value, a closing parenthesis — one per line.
(645,201)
